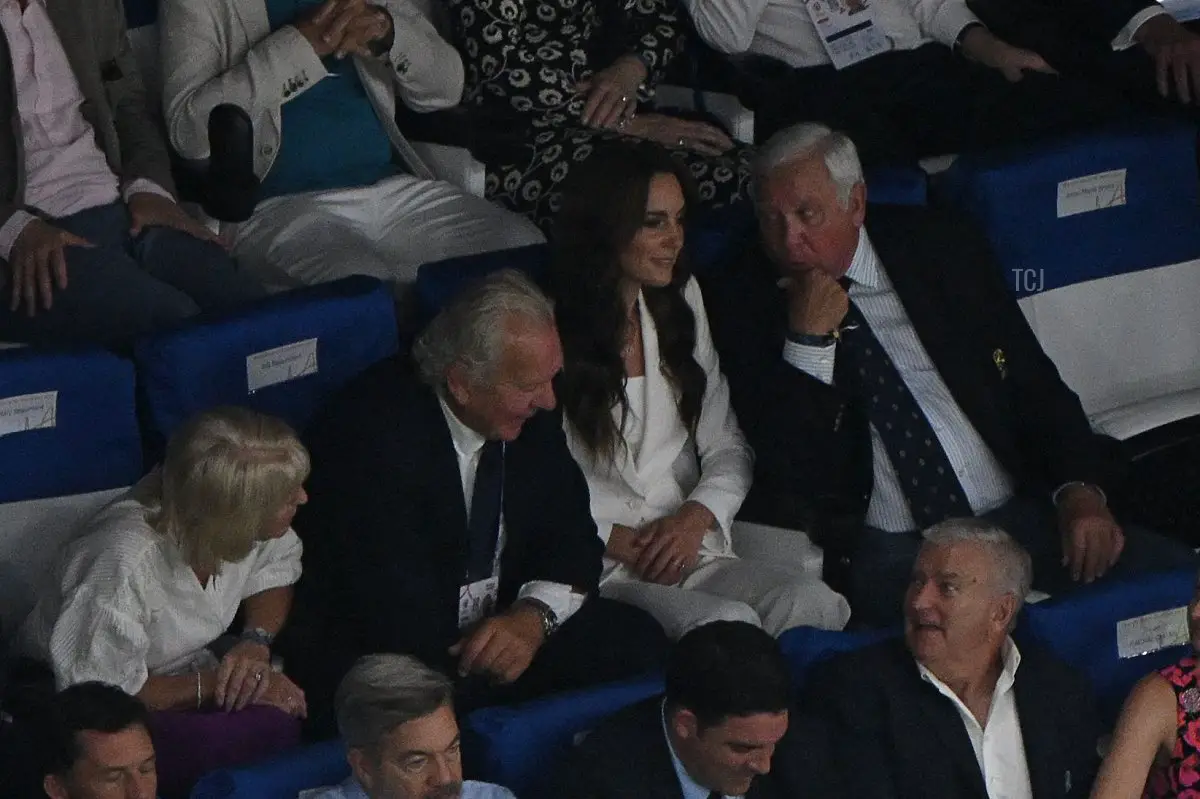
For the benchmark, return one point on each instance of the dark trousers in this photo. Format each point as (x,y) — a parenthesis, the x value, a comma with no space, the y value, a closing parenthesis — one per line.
(124,287)
(884,561)
(904,105)
(1077,53)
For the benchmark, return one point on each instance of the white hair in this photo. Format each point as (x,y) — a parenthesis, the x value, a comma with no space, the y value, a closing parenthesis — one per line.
(472,329)
(1012,568)
(807,139)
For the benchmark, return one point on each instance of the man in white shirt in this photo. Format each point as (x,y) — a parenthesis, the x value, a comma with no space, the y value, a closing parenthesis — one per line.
(396,716)
(448,520)
(955,710)
(93,247)
(96,744)
(903,79)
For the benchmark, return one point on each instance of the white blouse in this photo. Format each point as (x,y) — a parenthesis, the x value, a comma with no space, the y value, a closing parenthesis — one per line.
(660,464)
(123,604)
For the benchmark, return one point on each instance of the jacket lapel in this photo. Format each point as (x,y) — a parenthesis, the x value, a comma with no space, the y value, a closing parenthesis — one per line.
(81,55)
(1038,732)
(937,714)
(447,506)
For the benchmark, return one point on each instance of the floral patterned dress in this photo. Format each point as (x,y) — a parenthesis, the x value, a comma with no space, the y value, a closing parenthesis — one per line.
(1180,775)
(526,56)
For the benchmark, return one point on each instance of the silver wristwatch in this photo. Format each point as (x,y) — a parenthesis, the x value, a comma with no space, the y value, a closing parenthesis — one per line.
(549,617)
(258,636)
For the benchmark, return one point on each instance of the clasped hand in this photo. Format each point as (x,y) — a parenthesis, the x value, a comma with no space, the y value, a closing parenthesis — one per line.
(341,27)
(502,646)
(665,549)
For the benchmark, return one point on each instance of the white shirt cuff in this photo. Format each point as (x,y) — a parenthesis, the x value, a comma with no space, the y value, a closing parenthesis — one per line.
(815,361)
(11,230)
(145,186)
(951,21)
(1124,38)
(560,598)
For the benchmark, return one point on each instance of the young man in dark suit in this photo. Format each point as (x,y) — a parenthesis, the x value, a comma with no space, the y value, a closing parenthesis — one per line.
(723,728)
(447,519)
(954,710)
(889,381)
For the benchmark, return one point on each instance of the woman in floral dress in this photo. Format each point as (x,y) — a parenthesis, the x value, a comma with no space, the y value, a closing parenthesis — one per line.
(555,78)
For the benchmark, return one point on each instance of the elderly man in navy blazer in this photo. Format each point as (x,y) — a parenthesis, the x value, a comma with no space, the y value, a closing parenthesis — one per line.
(448,520)
(887,380)
(955,710)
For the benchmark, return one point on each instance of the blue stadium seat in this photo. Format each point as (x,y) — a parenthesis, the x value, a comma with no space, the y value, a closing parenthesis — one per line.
(68,443)
(1081,628)
(438,282)
(897,185)
(284,356)
(805,647)
(519,747)
(281,777)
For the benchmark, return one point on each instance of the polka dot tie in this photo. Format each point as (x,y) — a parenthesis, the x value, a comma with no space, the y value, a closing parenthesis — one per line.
(864,369)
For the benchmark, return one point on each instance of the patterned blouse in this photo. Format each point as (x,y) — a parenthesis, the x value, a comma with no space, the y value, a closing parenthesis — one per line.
(1180,775)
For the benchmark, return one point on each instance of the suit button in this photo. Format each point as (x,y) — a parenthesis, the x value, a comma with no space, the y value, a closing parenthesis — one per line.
(266,149)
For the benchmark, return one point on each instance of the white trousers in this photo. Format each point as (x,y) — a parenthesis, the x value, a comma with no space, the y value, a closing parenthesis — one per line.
(764,594)
(385,230)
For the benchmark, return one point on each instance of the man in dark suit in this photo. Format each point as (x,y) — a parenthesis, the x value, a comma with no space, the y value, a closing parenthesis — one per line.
(447,519)
(889,381)
(1133,46)
(954,710)
(723,728)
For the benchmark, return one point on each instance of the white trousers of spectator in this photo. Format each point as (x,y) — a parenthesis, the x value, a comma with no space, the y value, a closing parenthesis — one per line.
(385,230)
(764,594)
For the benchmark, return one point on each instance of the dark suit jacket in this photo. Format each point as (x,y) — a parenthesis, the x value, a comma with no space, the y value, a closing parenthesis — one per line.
(385,528)
(94,38)
(812,442)
(627,756)
(894,736)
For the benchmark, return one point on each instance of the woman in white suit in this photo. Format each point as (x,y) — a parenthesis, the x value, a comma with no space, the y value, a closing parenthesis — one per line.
(647,413)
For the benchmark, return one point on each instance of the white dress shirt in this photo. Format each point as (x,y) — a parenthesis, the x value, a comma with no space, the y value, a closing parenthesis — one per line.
(986,483)
(125,605)
(658,464)
(690,788)
(468,444)
(999,746)
(65,169)
(350,789)
(783,29)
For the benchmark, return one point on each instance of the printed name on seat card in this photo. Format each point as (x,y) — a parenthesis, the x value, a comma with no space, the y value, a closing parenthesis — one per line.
(28,412)
(279,365)
(1142,635)
(847,29)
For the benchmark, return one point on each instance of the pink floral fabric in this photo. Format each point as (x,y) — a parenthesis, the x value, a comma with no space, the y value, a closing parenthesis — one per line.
(1180,776)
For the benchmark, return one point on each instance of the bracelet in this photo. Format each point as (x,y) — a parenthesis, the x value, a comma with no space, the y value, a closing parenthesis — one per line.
(813,340)
(199,691)
(1095,489)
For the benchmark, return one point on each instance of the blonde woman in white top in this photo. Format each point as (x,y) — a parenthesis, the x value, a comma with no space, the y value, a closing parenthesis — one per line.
(646,409)
(158,576)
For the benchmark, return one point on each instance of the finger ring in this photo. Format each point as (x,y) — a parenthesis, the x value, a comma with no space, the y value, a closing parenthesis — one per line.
(681,141)
(678,563)
(624,98)
(258,676)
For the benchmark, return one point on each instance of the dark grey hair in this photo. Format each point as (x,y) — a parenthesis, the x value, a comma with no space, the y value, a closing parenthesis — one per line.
(1012,570)
(471,329)
(381,692)
(807,139)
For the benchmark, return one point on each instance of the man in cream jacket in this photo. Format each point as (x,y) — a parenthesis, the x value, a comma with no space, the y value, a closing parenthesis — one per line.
(342,190)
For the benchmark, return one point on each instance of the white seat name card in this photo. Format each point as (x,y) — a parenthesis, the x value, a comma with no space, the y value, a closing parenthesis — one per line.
(279,365)
(847,29)
(1142,635)
(28,412)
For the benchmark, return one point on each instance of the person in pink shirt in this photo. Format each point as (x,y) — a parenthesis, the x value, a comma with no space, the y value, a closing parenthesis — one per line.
(93,246)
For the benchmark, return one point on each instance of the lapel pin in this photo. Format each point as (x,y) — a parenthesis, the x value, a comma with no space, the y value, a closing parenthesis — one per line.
(1001,362)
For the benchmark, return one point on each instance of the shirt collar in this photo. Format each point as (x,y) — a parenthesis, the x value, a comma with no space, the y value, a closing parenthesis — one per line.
(1012,660)
(691,789)
(864,267)
(467,442)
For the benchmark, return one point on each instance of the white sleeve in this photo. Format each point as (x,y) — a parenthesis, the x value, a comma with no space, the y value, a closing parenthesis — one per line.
(726,460)
(726,25)
(100,634)
(195,81)
(427,69)
(276,564)
(1124,38)
(943,20)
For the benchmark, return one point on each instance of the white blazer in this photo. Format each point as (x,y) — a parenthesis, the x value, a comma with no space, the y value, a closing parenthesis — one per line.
(714,468)
(223,51)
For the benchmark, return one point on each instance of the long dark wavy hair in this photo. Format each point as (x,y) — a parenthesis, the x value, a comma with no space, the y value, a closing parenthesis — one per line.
(603,208)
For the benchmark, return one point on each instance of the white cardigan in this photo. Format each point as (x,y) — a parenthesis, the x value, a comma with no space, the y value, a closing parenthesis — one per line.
(223,51)
(714,468)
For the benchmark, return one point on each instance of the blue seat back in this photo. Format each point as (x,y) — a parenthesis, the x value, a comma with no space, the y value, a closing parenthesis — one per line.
(520,746)
(1082,628)
(67,424)
(897,185)
(284,356)
(437,283)
(805,647)
(280,777)
(1085,206)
